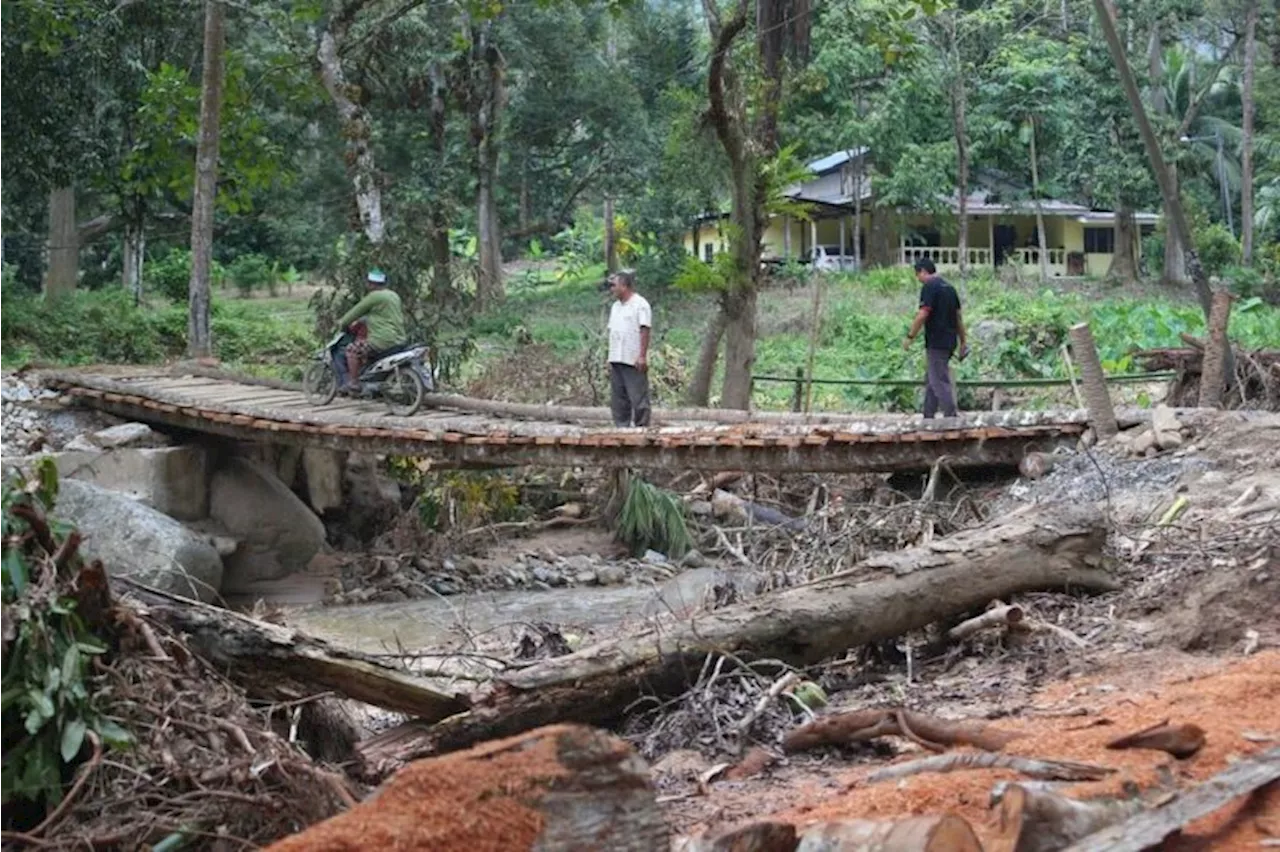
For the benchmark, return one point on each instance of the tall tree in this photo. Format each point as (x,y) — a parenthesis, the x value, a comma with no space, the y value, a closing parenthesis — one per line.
(1246,142)
(199,340)
(482,92)
(1177,216)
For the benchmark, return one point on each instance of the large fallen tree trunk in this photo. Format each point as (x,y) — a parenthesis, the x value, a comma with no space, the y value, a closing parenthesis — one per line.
(1041,547)
(272,662)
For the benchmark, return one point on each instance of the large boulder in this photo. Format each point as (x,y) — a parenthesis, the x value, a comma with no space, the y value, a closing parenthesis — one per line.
(172,480)
(136,541)
(278,534)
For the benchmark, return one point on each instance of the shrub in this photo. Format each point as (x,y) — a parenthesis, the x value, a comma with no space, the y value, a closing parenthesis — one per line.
(169,275)
(252,272)
(1218,249)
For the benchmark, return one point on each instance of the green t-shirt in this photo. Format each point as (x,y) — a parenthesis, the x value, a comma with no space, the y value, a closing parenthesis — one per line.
(383,314)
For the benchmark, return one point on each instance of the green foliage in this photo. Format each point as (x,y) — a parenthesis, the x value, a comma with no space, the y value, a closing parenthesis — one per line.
(1218,248)
(252,272)
(106,327)
(458,499)
(169,275)
(652,518)
(48,709)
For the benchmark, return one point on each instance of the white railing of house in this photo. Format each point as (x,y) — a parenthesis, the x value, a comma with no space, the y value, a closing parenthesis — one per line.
(946,255)
(950,256)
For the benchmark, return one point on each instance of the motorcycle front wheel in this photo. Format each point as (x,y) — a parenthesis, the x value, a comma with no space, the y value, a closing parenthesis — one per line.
(403,391)
(320,383)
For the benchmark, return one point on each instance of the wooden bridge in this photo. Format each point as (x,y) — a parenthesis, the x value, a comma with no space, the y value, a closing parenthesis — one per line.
(457,431)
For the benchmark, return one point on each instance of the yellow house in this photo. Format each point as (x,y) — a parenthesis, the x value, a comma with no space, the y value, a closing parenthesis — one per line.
(1002,230)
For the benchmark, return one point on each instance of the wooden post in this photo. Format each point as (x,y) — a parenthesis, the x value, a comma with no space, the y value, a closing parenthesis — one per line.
(1096,395)
(786,237)
(797,396)
(1213,369)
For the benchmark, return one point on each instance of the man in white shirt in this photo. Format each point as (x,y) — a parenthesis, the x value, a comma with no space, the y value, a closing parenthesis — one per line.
(630,319)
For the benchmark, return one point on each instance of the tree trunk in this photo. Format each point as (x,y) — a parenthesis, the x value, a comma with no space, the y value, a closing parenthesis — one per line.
(361,167)
(708,353)
(882,250)
(1124,260)
(269,659)
(64,243)
(1175,214)
(564,787)
(959,102)
(1246,142)
(135,245)
(199,340)
(1042,547)
(485,98)
(441,253)
(610,236)
(739,345)
(857,217)
(1174,273)
(1041,237)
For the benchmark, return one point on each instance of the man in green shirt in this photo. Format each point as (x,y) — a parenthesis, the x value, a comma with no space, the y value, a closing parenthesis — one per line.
(382,318)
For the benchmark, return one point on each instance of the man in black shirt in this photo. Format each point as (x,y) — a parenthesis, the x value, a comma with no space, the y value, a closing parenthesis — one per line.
(939,315)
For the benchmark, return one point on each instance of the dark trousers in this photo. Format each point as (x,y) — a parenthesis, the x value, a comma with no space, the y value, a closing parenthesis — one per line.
(629,397)
(938,392)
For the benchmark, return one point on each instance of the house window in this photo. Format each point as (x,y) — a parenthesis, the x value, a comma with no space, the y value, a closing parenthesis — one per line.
(1099,240)
(708,252)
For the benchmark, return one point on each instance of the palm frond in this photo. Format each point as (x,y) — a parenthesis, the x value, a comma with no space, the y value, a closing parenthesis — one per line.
(653,518)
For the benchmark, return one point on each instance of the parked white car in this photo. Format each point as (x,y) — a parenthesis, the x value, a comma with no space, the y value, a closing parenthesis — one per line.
(831,259)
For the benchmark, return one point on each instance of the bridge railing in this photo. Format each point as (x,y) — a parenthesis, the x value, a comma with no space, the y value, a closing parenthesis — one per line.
(802,385)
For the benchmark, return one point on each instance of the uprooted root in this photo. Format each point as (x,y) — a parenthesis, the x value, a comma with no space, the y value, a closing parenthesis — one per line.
(204,763)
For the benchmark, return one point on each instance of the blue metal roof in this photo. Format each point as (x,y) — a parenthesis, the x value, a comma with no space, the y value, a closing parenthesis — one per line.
(834,161)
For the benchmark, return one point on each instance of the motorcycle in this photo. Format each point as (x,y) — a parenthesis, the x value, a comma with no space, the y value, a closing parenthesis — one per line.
(401,377)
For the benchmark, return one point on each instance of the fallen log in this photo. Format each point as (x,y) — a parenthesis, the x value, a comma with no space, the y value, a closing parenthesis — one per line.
(1041,547)
(1038,768)
(563,787)
(947,833)
(1033,820)
(1150,828)
(272,661)
(858,726)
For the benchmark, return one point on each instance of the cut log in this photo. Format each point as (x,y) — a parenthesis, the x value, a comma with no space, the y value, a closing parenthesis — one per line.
(272,661)
(563,787)
(1181,741)
(1042,547)
(1001,615)
(1039,768)
(762,836)
(1032,820)
(1150,828)
(948,833)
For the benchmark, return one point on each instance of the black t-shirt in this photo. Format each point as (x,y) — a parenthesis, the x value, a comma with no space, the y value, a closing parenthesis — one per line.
(941,329)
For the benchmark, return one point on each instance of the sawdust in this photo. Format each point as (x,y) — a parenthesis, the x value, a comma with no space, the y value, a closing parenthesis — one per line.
(1240,697)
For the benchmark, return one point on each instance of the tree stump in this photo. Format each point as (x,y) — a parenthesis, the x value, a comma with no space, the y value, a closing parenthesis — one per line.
(565,787)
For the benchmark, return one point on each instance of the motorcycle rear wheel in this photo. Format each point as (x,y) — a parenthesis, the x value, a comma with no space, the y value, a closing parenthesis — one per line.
(320,383)
(403,391)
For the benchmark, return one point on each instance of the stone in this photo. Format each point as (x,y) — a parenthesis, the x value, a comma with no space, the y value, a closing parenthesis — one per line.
(80,444)
(323,469)
(580,562)
(653,557)
(990,332)
(694,559)
(586,578)
(278,533)
(611,575)
(136,541)
(1164,421)
(700,508)
(172,480)
(127,435)
(1146,440)
(1169,440)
